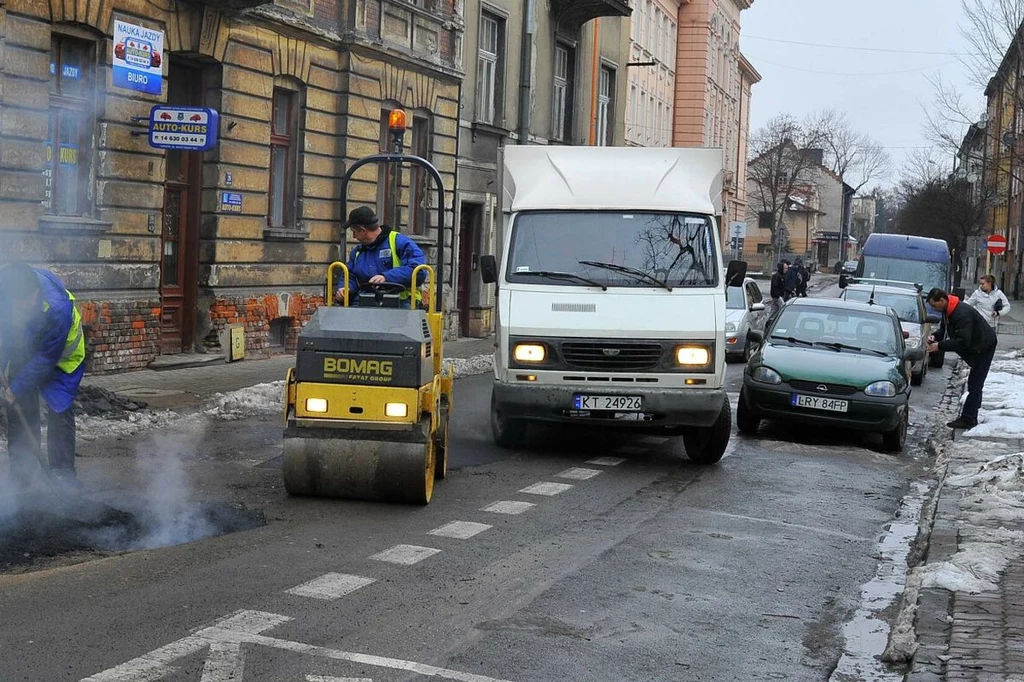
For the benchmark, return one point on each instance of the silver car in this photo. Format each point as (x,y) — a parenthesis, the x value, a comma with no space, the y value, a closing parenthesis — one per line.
(908,304)
(744,310)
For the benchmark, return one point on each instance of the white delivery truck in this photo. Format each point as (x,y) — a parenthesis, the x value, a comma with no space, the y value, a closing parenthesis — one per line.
(611,293)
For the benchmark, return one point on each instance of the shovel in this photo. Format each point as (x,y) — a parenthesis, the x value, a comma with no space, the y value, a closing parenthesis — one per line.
(37,448)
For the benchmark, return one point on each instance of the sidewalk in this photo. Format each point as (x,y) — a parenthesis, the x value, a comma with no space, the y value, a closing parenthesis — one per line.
(966,594)
(177,388)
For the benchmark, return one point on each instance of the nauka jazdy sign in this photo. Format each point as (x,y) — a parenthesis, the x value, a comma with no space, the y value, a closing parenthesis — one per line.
(138,58)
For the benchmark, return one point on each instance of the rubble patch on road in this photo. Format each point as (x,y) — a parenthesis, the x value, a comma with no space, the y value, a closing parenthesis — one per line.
(96,401)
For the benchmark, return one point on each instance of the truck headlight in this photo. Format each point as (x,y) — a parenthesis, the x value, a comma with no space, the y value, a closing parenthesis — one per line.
(766,375)
(881,389)
(529,352)
(693,355)
(396,410)
(316,404)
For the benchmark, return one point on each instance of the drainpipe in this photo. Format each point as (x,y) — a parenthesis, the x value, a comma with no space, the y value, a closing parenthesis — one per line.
(594,71)
(525,74)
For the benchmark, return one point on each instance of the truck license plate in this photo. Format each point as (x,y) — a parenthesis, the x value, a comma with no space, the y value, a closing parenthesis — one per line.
(818,403)
(615,403)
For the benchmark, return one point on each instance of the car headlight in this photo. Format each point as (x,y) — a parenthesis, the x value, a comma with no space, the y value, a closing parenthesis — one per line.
(881,389)
(730,326)
(529,352)
(766,375)
(693,355)
(316,405)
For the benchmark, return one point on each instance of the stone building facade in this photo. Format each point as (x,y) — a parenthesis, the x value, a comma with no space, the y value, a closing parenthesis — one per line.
(558,79)
(653,39)
(166,249)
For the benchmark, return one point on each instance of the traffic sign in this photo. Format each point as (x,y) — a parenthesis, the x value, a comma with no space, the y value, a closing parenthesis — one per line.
(737,230)
(996,244)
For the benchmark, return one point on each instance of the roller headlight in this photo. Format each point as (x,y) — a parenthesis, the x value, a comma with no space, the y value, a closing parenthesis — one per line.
(529,352)
(316,405)
(396,410)
(881,389)
(766,375)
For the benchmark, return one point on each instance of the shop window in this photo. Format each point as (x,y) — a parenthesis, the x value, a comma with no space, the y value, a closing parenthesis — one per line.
(70,128)
(284,149)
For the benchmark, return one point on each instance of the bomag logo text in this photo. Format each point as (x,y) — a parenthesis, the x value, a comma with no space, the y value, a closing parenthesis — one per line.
(373,370)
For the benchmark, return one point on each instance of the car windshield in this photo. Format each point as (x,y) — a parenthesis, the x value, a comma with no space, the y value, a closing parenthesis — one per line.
(842,329)
(734,298)
(926,273)
(614,249)
(906,306)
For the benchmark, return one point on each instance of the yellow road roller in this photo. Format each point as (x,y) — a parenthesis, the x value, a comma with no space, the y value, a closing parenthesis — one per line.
(367,403)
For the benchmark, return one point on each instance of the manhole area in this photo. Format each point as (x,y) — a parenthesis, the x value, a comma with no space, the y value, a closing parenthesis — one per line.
(55,532)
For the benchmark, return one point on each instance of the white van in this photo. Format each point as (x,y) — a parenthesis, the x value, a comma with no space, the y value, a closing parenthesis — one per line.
(611,294)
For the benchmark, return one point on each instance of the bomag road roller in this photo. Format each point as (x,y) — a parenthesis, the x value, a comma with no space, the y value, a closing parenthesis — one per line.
(367,403)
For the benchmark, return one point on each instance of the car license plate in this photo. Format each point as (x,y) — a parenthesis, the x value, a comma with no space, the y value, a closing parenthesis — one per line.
(818,403)
(615,403)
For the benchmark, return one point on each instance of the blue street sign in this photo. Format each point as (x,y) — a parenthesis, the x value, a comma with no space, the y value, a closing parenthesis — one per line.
(188,128)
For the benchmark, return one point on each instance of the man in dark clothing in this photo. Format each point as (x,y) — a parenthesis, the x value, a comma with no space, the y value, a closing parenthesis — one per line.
(968,334)
(804,276)
(778,286)
(793,279)
(381,255)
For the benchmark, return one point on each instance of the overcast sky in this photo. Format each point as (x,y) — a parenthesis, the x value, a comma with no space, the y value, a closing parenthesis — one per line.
(881,92)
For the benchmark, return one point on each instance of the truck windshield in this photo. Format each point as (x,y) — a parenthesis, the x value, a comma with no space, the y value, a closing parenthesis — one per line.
(927,273)
(615,248)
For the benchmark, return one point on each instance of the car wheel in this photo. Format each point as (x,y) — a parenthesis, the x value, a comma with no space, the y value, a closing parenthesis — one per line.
(896,440)
(706,444)
(937,359)
(747,420)
(508,433)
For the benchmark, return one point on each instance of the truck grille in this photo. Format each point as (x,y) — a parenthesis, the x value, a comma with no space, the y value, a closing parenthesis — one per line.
(611,356)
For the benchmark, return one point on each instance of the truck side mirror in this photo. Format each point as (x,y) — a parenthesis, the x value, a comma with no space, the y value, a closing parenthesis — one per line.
(489,269)
(735,273)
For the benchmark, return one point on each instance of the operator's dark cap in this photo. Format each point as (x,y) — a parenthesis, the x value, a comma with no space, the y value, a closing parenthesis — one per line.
(362,217)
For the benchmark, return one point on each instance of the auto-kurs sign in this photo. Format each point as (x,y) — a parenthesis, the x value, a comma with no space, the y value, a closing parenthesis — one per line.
(138,58)
(188,128)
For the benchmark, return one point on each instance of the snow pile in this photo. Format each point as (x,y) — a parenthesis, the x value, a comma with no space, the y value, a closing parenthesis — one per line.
(1002,408)
(93,428)
(246,402)
(978,563)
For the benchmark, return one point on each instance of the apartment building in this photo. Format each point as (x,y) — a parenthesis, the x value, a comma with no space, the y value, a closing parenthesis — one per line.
(653,41)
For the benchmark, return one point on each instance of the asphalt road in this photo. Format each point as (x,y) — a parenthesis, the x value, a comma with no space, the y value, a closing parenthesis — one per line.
(646,568)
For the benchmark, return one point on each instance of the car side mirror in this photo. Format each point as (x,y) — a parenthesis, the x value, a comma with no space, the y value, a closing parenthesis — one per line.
(934,319)
(755,337)
(844,281)
(735,273)
(756,307)
(914,354)
(489,269)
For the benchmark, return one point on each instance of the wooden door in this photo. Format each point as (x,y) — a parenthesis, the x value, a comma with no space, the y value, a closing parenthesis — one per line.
(467,254)
(179,237)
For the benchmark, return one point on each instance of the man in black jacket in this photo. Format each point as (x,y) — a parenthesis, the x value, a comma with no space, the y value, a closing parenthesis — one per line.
(965,332)
(778,286)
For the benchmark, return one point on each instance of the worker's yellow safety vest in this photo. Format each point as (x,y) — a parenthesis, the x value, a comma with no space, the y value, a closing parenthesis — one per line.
(74,346)
(395,262)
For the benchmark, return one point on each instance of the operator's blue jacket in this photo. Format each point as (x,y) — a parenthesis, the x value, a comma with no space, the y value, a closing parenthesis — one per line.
(377,259)
(49,352)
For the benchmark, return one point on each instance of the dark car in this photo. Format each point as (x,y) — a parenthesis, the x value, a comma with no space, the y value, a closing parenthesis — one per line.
(831,363)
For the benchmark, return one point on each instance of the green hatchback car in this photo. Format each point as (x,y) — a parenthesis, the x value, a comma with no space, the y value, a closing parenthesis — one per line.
(829,362)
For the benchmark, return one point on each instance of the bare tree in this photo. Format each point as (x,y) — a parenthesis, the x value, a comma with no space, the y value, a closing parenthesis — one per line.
(780,163)
(989,28)
(923,166)
(853,156)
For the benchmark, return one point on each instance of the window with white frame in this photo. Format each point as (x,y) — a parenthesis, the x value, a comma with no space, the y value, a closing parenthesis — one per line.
(564,86)
(490,69)
(606,87)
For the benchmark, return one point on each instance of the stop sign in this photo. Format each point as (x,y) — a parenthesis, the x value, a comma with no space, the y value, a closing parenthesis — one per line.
(996,244)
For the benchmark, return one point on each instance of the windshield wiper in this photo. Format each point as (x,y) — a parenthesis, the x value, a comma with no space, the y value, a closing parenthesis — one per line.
(640,274)
(836,346)
(568,276)
(793,339)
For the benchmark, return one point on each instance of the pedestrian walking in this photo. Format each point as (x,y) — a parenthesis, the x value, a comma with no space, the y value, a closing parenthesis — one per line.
(802,277)
(967,333)
(793,279)
(777,291)
(42,354)
(989,301)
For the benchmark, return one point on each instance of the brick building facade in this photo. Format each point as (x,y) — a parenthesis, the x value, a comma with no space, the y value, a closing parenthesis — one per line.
(165,250)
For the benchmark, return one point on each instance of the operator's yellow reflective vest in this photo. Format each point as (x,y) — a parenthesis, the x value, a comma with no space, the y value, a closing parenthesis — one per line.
(395,262)
(74,346)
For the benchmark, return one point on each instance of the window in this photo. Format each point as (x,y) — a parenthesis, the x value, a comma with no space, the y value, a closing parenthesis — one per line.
(489,69)
(564,87)
(765,220)
(660,35)
(605,110)
(421,181)
(70,128)
(634,120)
(283,156)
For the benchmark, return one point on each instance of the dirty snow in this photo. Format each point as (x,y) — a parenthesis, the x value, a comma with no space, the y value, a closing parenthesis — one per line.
(977,564)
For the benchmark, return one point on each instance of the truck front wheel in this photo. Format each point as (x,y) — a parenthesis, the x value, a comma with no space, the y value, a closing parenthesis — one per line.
(508,433)
(706,444)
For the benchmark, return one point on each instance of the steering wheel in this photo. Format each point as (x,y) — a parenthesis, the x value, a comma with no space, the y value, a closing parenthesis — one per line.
(383,287)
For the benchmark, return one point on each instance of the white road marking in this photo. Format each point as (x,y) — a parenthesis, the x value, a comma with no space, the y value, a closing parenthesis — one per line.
(549,489)
(406,555)
(631,449)
(460,530)
(654,440)
(325,678)
(330,586)
(606,461)
(224,663)
(578,473)
(244,627)
(508,507)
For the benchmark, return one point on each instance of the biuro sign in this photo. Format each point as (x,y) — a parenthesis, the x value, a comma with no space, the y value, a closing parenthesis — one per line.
(138,58)
(187,128)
